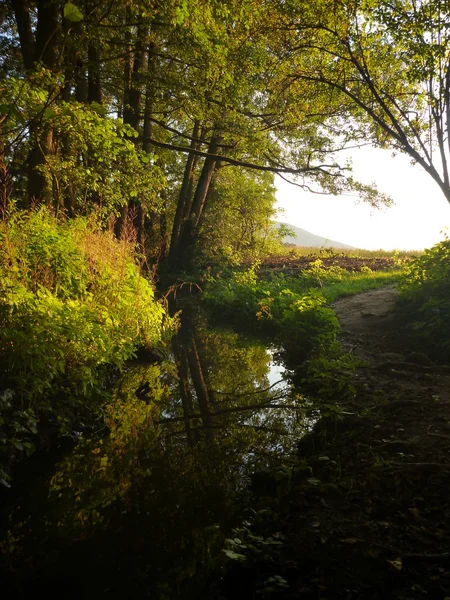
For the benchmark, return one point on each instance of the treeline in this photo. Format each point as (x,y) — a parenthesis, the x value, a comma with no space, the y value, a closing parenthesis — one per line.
(151,112)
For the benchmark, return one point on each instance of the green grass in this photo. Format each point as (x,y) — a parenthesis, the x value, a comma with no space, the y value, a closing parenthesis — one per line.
(357,283)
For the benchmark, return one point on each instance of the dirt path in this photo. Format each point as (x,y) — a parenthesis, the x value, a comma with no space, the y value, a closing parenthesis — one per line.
(371,331)
(372,518)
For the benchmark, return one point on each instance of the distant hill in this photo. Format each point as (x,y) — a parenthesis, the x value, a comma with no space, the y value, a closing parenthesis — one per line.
(302,237)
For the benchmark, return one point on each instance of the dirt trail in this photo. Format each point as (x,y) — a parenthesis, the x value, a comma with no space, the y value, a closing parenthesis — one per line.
(369,312)
(371,331)
(373,519)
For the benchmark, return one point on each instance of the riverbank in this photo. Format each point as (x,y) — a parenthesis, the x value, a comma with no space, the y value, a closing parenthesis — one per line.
(368,514)
(208,477)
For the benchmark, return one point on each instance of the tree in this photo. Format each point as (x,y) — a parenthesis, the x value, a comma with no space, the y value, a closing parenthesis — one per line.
(198,85)
(239,216)
(389,65)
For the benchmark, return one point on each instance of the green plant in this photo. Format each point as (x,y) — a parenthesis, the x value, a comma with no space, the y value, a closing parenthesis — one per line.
(73,308)
(425,301)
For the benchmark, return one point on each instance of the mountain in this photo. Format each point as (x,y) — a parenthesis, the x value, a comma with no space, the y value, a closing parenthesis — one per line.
(302,237)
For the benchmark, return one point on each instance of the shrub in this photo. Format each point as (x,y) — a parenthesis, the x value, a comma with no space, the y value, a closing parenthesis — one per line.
(73,307)
(285,307)
(425,301)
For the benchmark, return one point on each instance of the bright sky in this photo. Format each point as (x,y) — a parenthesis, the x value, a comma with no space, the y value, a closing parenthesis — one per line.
(416,221)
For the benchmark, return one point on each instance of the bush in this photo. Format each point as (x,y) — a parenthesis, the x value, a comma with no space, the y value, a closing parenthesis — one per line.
(283,307)
(73,307)
(425,301)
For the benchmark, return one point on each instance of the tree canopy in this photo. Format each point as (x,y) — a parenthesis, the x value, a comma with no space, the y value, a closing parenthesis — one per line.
(133,109)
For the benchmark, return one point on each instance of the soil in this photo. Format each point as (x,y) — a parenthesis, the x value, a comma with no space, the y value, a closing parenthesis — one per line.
(371,518)
(290,265)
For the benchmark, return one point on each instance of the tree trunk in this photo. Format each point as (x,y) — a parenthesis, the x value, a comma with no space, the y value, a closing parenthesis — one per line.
(188,236)
(149,96)
(132,116)
(81,85)
(41,137)
(94,91)
(23,22)
(184,198)
(5,178)
(133,97)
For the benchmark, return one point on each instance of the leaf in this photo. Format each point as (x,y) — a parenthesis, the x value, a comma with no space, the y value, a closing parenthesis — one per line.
(234,555)
(72,13)
(49,113)
(99,108)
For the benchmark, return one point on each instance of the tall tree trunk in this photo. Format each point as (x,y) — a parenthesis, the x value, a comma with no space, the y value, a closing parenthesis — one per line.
(184,198)
(188,235)
(163,228)
(26,37)
(133,100)
(94,86)
(5,178)
(81,84)
(132,116)
(149,96)
(41,137)
(147,129)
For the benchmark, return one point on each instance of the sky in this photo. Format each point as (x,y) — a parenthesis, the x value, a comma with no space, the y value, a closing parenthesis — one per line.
(417,220)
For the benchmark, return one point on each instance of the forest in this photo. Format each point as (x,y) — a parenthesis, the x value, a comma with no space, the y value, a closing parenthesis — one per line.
(189,406)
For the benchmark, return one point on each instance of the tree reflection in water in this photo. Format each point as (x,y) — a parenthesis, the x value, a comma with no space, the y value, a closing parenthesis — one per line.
(144,504)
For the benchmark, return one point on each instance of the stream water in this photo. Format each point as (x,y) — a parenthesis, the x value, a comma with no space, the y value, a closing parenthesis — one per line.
(141,507)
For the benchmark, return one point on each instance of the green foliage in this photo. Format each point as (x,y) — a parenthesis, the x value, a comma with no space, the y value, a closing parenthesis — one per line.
(330,375)
(293,310)
(112,170)
(275,303)
(72,13)
(239,215)
(73,305)
(94,163)
(287,308)
(425,300)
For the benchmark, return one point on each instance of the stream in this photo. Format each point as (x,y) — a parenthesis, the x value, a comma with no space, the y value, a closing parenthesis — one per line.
(142,506)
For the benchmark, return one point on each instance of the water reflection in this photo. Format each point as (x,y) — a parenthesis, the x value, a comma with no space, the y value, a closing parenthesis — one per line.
(143,505)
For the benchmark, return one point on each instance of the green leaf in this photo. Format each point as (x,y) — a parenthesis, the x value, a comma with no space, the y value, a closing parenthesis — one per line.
(72,13)
(98,108)
(49,113)
(234,555)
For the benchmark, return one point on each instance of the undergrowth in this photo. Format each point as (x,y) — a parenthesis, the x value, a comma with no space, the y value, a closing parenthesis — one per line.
(424,303)
(73,308)
(294,312)
(268,302)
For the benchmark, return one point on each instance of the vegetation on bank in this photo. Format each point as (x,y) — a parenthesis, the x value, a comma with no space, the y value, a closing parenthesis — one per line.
(291,307)
(170,121)
(74,307)
(424,305)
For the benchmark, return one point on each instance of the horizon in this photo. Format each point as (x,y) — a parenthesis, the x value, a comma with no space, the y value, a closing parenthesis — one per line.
(417,220)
